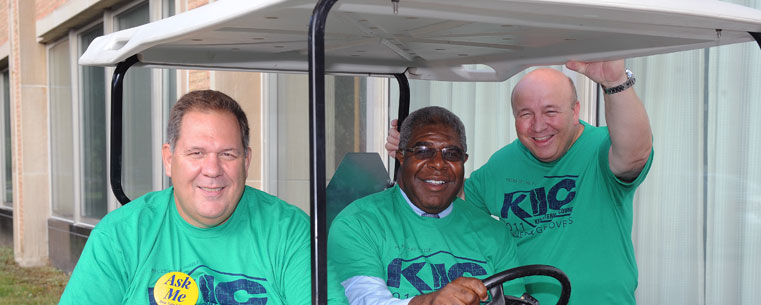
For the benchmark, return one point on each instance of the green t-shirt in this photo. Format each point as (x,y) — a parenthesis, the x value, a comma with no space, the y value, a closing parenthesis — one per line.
(572,213)
(381,236)
(260,255)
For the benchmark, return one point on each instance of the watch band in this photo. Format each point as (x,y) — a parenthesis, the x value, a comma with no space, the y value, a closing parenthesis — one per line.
(628,83)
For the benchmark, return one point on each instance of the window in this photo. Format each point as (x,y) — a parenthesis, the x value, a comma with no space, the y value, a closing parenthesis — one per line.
(168,95)
(7,151)
(61,129)
(355,121)
(699,211)
(79,105)
(93,134)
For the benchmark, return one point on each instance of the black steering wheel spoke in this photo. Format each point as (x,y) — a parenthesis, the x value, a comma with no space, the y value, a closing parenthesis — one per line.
(494,284)
(526,299)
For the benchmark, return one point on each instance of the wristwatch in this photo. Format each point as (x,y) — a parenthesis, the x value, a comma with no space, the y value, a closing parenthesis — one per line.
(628,83)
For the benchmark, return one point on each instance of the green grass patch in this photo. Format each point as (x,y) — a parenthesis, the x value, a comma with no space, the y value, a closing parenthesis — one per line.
(33,285)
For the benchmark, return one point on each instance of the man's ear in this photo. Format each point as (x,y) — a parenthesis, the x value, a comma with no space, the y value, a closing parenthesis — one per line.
(166,158)
(400,156)
(248,158)
(576,111)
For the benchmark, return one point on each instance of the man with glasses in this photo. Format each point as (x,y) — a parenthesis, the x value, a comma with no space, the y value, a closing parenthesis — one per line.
(417,243)
(565,188)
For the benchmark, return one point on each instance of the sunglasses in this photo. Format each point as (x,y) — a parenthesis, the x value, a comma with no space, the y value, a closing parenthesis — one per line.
(453,154)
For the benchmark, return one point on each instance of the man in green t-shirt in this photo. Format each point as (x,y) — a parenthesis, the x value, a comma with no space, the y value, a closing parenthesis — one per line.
(565,188)
(417,243)
(208,239)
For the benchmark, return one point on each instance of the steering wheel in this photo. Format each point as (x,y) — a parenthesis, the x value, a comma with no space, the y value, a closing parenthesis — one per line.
(494,284)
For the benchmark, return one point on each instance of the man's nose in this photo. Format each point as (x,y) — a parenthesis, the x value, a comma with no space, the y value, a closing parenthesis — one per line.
(538,124)
(212,166)
(437,160)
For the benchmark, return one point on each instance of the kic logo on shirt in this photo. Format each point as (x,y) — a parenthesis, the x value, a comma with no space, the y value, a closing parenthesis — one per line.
(540,205)
(426,275)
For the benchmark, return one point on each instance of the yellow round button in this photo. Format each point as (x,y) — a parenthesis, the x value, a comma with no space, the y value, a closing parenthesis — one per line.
(175,288)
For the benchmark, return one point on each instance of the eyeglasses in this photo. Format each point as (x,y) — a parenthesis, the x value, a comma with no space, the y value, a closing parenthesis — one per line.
(453,154)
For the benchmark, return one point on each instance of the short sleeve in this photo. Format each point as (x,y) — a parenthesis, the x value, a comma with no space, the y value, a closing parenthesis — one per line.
(474,193)
(352,251)
(100,275)
(295,279)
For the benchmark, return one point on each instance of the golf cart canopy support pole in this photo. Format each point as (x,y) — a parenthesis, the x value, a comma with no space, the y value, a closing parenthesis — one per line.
(404,110)
(317,176)
(117,83)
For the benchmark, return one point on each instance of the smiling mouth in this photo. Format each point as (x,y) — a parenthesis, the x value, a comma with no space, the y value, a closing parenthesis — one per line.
(437,182)
(211,189)
(542,139)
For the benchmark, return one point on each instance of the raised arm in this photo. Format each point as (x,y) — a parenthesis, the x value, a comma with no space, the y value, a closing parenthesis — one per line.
(630,134)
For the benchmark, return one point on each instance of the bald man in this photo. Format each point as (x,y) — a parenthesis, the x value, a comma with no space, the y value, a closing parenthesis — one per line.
(565,188)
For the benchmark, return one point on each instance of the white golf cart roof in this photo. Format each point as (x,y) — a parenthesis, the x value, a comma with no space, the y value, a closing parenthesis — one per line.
(426,39)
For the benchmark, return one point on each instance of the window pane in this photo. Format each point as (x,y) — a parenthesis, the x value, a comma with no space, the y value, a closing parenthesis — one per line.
(733,203)
(169,9)
(94,165)
(8,152)
(348,116)
(675,180)
(349,109)
(137,148)
(133,17)
(61,127)
(169,97)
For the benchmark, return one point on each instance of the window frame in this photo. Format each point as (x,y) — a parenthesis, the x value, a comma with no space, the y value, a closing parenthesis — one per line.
(77,91)
(107,20)
(51,144)
(3,166)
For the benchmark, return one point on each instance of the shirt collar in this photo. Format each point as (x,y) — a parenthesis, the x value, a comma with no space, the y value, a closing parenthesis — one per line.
(420,212)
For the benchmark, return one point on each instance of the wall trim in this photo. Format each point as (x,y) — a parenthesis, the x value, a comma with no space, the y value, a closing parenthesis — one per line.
(72,14)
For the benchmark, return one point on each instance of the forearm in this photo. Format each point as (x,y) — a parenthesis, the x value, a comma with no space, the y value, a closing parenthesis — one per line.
(630,133)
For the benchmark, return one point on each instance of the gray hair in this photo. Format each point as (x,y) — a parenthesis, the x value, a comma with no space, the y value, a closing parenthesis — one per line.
(204,100)
(432,115)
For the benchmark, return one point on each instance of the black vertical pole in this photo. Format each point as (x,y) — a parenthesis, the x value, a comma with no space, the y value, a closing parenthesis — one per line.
(757,37)
(117,90)
(404,108)
(317,174)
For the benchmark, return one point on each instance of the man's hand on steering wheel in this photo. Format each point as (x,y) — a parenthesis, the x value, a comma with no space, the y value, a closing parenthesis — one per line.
(461,291)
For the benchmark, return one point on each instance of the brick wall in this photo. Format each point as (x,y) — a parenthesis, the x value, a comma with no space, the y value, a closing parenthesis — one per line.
(196,3)
(4,25)
(45,7)
(198,80)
